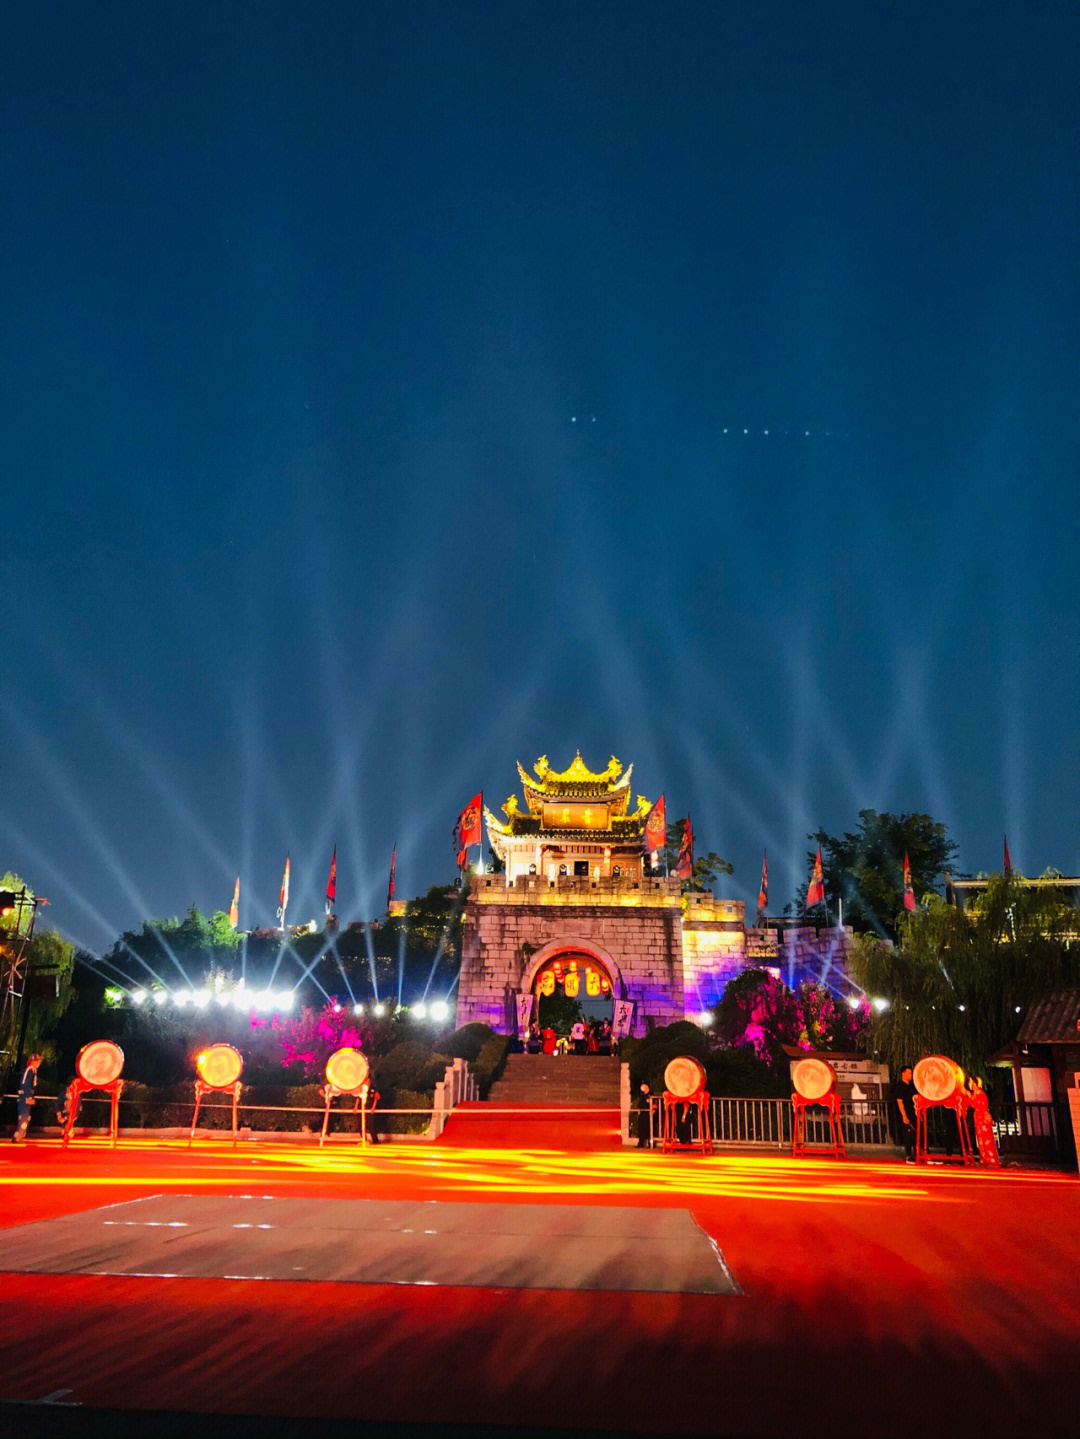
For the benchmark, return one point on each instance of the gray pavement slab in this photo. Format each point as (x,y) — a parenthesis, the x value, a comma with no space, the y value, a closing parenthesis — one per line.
(373,1241)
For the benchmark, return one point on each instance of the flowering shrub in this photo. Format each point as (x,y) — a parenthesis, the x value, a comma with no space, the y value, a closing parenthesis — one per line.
(308,1039)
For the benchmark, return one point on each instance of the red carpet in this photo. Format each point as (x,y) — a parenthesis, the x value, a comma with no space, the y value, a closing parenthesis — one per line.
(483,1126)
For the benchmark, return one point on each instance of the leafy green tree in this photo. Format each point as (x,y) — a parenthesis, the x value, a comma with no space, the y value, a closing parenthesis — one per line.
(707,867)
(558,1011)
(866,868)
(959,981)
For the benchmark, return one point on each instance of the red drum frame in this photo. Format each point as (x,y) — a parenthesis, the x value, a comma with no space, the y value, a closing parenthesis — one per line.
(811,1075)
(84,1082)
(361,1090)
(684,1083)
(958,1101)
(204,1086)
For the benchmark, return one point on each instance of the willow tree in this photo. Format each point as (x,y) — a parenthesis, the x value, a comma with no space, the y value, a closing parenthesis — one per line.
(958,982)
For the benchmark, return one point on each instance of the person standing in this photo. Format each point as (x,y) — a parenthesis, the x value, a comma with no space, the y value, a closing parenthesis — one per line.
(26,1097)
(644,1120)
(904,1101)
(984,1124)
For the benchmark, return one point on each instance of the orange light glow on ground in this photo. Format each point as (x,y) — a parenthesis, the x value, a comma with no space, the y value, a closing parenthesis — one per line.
(877,1298)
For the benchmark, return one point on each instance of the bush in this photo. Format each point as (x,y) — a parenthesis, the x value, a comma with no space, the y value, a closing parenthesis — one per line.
(467,1042)
(409,1065)
(490,1061)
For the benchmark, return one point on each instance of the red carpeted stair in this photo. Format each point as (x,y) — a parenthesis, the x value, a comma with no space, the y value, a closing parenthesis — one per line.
(544,1102)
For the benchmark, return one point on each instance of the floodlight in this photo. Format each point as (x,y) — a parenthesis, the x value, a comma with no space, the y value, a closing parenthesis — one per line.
(138,996)
(440,1010)
(419,1010)
(160,996)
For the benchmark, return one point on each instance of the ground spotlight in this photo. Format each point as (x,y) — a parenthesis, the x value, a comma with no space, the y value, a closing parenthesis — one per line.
(881,1005)
(705,1018)
(138,996)
(853,1001)
(224,999)
(286,999)
(419,1009)
(380,1010)
(263,1000)
(201,998)
(440,1010)
(358,1009)
(160,996)
(336,1007)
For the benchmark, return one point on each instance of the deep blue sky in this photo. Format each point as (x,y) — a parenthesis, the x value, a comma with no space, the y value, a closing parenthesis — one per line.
(385,397)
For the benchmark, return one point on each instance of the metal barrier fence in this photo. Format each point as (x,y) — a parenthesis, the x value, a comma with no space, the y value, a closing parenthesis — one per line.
(767,1123)
(1032,1131)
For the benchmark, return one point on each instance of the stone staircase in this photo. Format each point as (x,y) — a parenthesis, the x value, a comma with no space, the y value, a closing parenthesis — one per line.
(568,1080)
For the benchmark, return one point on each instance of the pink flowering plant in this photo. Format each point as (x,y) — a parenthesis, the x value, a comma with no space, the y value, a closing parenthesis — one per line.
(309,1038)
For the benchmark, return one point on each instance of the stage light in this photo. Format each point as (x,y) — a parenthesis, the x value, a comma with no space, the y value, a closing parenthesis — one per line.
(419,1009)
(380,1010)
(160,996)
(181,997)
(336,1007)
(704,1019)
(201,998)
(241,1000)
(286,999)
(138,996)
(263,1000)
(854,1001)
(440,1010)
(880,1005)
(358,1009)
(224,999)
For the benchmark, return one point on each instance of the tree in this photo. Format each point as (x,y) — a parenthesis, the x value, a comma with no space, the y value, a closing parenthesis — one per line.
(707,867)
(759,1011)
(866,868)
(959,981)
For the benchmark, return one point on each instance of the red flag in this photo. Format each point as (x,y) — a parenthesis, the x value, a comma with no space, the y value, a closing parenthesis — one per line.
(1006,861)
(467,831)
(909,893)
(684,865)
(390,886)
(656,827)
(816,893)
(763,892)
(283,899)
(234,908)
(331,883)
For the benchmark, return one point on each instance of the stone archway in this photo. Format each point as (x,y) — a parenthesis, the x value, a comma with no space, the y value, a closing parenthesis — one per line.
(569,945)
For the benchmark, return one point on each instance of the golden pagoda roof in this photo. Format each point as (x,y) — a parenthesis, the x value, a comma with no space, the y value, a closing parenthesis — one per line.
(578,782)
(623,829)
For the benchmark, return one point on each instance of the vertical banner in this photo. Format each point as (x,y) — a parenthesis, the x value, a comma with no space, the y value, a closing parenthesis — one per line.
(622,1018)
(525,1004)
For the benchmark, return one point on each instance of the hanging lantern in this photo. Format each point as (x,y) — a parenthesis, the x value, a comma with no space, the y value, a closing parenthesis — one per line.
(592,983)
(547,982)
(571,984)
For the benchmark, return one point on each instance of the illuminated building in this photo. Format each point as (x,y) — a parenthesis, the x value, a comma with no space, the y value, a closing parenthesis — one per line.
(579,907)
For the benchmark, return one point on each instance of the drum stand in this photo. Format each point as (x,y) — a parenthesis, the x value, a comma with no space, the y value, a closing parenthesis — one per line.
(331,1091)
(959,1103)
(831,1102)
(78,1088)
(700,1100)
(201,1088)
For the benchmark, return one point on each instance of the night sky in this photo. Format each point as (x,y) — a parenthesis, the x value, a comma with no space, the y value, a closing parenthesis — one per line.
(395,391)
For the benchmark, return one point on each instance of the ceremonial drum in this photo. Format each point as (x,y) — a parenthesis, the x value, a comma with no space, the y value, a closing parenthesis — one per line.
(813,1079)
(814,1082)
(937,1078)
(347,1071)
(99,1064)
(219,1066)
(940,1081)
(684,1083)
(684,1077)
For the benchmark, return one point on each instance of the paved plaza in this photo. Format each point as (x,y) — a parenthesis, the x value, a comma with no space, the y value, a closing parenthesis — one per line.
(615,1291)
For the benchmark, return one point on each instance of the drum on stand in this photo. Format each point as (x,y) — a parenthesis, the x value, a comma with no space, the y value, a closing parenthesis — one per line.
(939,1082)
(98,1065)
(814,1082)
(347,1072)
(684,1084)
(219,1067)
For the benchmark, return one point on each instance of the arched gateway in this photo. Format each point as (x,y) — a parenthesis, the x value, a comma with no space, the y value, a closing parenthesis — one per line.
(577,889)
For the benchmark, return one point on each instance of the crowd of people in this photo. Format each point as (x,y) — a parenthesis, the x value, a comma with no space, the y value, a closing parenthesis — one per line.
(585,1037)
